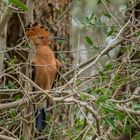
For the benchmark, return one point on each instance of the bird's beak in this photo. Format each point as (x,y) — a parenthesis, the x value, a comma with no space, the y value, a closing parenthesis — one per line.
(58,38)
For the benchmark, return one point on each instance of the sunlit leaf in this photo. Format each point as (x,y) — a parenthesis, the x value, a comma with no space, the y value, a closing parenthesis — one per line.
(6,2)
(19,4)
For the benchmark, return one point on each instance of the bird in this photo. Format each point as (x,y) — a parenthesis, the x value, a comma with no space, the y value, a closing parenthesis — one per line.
(45,66)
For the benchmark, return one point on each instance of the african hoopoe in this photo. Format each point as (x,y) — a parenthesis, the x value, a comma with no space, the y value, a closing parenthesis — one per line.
(45,64)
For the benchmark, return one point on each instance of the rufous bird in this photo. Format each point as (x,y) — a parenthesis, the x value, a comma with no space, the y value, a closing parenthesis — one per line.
(46,66)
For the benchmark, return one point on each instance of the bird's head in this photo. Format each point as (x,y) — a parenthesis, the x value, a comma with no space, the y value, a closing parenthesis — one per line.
(38,35)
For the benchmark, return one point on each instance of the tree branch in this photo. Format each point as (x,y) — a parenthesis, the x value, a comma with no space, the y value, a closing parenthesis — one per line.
(3,137)
(86,106)
(127,110)
(14,104)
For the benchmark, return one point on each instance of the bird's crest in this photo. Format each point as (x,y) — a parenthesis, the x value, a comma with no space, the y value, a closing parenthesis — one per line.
(36,29)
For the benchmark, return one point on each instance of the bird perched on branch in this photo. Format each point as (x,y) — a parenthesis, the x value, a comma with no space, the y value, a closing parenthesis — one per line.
(45,65)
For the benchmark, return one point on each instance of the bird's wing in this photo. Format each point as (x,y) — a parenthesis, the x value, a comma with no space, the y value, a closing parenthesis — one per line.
(57,76)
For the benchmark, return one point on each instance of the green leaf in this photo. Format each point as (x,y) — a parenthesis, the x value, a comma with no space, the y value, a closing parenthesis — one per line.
(102,98)
(11,85)
(79,122)
(110,109)
(2,122)
(19,4)
(21,137)
(108,66)
(108,1)
(113,110)
(17,97)
(62,57)
(82,96)
(107,15)
(136,137)
(6,2)
(101,90)
(99,2)
(89,40)
(111,31)
(127,129)
(91,17)
(137,33)
(111,123)
(121,115)
(48,118)
(117,77)
(103,77)
(137,106)
(87,18)
(13,112)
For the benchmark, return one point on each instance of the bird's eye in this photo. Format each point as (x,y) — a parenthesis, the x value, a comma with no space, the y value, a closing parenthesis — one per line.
(41,37)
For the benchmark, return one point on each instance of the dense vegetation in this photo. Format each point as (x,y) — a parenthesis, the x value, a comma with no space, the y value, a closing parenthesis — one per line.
(97,94)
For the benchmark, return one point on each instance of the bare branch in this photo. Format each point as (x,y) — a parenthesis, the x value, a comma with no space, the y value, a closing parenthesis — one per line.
(127,110)
(3,137)
(29,17)
(14,104)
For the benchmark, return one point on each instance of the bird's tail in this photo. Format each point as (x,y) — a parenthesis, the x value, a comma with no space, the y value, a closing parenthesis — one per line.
(40,116)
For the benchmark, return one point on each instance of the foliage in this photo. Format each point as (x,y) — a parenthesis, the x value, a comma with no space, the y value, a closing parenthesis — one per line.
(16,3)
(98,98)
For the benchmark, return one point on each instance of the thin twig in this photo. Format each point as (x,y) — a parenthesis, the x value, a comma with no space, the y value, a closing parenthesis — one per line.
(105,50)
(67,10)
